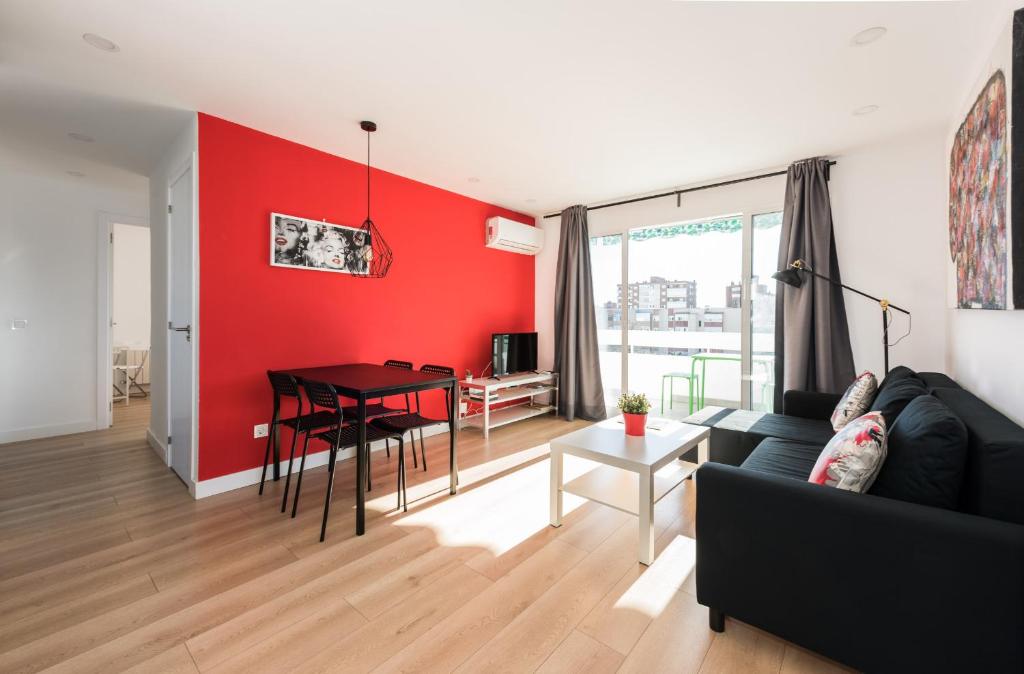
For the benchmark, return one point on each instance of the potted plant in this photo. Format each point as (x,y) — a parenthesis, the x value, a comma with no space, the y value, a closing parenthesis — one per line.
(634,408)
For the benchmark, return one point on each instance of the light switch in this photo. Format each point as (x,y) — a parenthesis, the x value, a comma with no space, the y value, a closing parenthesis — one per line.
(19,324)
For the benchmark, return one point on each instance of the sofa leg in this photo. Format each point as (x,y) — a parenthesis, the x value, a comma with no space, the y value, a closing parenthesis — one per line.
(716,620)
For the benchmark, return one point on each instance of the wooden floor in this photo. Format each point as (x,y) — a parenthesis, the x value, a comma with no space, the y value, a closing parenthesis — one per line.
(109,565)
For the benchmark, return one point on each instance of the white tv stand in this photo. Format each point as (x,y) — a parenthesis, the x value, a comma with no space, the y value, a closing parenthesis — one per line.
(516,393)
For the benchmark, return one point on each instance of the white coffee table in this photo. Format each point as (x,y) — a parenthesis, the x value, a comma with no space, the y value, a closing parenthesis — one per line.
(627,480)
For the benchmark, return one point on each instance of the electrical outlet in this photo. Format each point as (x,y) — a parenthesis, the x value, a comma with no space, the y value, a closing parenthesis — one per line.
(260,431)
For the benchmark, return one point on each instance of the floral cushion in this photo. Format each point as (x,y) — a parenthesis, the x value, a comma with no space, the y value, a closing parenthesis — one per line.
(856,401)
(852,458)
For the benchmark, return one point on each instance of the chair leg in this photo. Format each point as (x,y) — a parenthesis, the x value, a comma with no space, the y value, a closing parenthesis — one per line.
(298,483)
(288,477)
(387,446)
(266,455)
(423,450)
(412,439)
(330,490)
(401,476)
(369,483)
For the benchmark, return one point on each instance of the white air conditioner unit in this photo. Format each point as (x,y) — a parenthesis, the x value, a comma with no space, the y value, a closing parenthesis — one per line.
(515,237)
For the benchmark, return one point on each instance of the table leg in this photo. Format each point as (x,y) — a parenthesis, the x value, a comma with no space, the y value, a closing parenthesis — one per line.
(361,461)
(703,451)
(487,412)
(453,463)
(671,390)
(556,487)
(646,513)
(663,394)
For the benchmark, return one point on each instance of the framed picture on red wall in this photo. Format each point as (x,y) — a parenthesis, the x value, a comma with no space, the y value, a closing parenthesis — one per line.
(301,243)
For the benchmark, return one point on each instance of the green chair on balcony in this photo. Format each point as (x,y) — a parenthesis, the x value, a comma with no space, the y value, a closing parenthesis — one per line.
(692,380)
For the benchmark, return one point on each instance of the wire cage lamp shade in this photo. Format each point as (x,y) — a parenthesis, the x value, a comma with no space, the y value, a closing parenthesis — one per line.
(377,256)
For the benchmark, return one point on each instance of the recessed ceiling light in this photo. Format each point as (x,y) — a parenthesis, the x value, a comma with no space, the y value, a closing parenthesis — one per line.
(868,35)
(100,43)
(474,180)
(80,137)
(76,174)
(866,110)
(531,201)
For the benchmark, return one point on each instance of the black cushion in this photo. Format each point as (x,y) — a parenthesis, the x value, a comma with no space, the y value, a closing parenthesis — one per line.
(927,454)
(786,458)
(898,373)
(896,396)
(934,380)
(994,481)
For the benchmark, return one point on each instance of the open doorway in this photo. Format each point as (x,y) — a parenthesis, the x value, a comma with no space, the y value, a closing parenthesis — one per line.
(124,353)
(130,319)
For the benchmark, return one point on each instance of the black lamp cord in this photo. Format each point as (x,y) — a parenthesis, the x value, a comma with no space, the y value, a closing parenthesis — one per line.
(368,176)
(910,325)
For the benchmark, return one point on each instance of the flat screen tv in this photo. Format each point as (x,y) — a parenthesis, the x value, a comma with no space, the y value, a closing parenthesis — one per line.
(513,352)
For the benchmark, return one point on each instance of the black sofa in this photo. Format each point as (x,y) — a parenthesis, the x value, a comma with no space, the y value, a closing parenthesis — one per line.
(874,582)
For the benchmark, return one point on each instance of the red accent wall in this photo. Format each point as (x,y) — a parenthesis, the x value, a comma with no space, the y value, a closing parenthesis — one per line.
(446,293)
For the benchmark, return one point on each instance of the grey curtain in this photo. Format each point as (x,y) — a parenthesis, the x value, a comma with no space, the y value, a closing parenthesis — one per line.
(812,338)
(580,391)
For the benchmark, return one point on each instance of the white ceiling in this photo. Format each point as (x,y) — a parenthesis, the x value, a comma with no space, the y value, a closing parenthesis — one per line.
(546,102)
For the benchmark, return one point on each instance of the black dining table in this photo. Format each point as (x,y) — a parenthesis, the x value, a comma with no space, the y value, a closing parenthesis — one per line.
(366,381)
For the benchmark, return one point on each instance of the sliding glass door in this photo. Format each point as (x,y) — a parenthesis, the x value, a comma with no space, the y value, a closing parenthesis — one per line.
(606,266)
(686,312)
(684,315)
(766,229)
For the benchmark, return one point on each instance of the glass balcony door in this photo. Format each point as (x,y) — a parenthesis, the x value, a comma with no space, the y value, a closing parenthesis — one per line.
(684,312)
(606,270)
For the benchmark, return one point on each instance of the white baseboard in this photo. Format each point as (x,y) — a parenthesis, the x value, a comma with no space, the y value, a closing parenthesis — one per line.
(247,478)
(158,447)
(36,432)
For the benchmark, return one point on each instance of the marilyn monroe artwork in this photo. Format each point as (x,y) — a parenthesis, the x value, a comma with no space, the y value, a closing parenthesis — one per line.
(313,244)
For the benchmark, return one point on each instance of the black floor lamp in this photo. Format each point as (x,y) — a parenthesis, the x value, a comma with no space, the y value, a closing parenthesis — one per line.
(792,277)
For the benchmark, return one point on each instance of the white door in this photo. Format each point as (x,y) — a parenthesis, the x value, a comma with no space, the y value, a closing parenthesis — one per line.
(181,345)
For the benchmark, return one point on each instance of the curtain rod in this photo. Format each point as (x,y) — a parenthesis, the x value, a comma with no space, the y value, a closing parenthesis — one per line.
(677,193)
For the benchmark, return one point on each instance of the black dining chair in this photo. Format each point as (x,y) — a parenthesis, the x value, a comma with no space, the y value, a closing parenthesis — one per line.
(285,386)
(414,421)
(340,437)
(379,409)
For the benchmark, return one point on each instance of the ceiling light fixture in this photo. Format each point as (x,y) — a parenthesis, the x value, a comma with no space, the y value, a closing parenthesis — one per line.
(868,35)
(866,110)
(81,137)
(473,180)
(101,43)
(373,252)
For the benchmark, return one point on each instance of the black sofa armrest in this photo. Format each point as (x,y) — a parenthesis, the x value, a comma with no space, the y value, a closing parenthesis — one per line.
(878,584)
(809,404)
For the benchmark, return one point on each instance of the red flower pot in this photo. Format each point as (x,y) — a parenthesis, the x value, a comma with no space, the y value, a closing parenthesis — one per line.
(635,423)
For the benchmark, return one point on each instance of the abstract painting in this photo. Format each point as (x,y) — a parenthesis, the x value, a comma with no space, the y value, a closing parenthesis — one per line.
(977,201)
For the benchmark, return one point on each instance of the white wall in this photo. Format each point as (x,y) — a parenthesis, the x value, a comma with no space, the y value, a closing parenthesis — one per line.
(175,156)
(49,224)
(888,210)
(984,345)
(131,286)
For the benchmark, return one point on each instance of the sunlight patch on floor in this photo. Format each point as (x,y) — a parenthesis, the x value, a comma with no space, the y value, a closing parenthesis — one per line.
(653,590)
(501,503)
